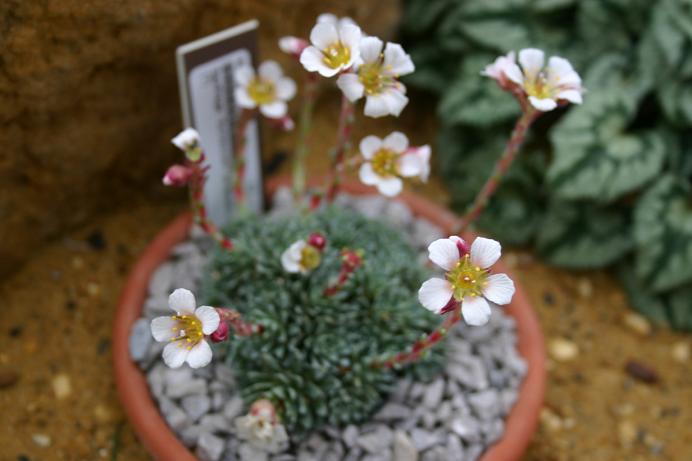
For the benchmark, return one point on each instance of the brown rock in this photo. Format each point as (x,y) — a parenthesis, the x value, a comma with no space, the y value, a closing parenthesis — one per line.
(641,371)
(8,378)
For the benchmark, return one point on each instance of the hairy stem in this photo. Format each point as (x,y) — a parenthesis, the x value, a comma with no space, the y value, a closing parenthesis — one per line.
(503,164)
(239,148)
(240,326)
(423,344)
(346,118)
(307,106)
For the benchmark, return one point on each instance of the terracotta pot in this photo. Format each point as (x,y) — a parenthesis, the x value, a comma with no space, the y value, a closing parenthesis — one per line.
(162,443)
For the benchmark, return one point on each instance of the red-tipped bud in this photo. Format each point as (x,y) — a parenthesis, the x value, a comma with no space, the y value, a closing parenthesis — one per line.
(351,259)
(226,244)
(462,246)
(317,240)
(284,123)
(315,201)
(221,333)
(292,45)
(177,175)
(265,409)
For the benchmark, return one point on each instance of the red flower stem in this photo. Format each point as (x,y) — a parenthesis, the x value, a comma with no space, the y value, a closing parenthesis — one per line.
(422,345)
(503,164)
(239,148)
(199,211)
(346,119)
(350,261)
(240,326)
(302,150)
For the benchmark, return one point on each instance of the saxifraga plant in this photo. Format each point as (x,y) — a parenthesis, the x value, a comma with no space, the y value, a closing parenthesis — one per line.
(316,352)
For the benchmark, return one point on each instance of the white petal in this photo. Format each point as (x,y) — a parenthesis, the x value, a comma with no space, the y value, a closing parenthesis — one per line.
(313,60)
(543,105)
(182,301)
(243,75)
(500,289)
(561,72)
(485,252)
(163,329)
(573,96)
(328,18)
(513,73)
(350,36)
(174,354)
(350,85)
(243,99)
(285,88)
(290,259)
(424,153)
(323,34)
(369,145)
(396,60)
(185,137)
(434,294)
(531,60)
(376,106)
(475,310)
(209,317)
(396,141)
(200,355)
(370,49)
(270,70)
(444,253)
(410,165)
(276,109)
(367,175)
(390,186)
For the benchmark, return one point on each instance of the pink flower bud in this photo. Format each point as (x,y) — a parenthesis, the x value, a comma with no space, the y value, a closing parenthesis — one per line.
(177,175)
(265,409)
(292,45)
(221,333)
(317,240)
(284,123)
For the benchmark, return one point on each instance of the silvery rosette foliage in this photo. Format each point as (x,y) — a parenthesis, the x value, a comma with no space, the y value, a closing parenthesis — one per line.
(316,352)
(611,183)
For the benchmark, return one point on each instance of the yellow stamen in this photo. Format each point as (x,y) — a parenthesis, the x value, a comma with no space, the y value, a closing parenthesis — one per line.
(309,258)
(190,329)
(384,163)
(467,279)
(373,77)
(261,91)
(336,55)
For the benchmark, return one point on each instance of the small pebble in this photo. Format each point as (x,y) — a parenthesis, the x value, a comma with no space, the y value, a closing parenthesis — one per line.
(585,287)
(62,386)
(563,350)
(681,351)
(42,440)
(627,433)
(641,371)
(8,378)
(551,420)
(638,324)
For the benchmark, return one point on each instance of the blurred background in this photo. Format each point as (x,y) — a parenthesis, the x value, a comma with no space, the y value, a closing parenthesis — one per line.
(597,211)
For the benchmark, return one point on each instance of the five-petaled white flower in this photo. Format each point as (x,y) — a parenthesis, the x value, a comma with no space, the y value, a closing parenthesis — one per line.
(390,159)
(269,89)
(261,428)
(545,87)
(188,141)
(468,279)
(335,47)
(376,78)
(303,256)
(186,331)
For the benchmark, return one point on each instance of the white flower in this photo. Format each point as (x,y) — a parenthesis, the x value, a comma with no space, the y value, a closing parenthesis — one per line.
(545,87)
(260,428)
(335,47)
(269,89)
(498,69)
(468,280)
(185,331)
(188,141)
(300,257)
(376,78)
(390,159)
(330,18)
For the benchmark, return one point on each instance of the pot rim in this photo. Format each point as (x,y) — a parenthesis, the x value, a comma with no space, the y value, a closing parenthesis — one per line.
(162,443)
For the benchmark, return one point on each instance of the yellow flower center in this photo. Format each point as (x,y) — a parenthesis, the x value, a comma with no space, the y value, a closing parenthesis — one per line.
(373,78)
(261,91)
(309,258)
(336,55)
(384,163)
(191,328)
(538,87)
(467,279)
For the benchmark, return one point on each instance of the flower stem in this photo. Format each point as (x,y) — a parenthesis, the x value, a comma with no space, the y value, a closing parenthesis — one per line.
(346,118)
(308,104)
(240,326)
(239,151)
(199,211)
(350,261)
(515,141)
(423,344)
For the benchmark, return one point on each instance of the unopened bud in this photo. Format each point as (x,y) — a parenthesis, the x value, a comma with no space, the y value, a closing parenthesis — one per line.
(292,45)
(317,240)
(221,333)
(177,175)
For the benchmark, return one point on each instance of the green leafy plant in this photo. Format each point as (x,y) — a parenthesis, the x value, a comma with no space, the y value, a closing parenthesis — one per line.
(611,184)
(316,352)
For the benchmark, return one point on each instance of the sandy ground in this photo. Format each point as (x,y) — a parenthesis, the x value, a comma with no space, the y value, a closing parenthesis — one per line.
(58,398)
